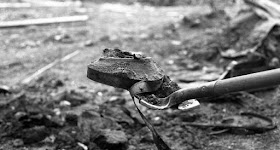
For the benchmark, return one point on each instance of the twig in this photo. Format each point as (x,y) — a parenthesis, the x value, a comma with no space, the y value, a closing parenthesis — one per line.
(15,5)
(47,67)
(50,3)
(43,21)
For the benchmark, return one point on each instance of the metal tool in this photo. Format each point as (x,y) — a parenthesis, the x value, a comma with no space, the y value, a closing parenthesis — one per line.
(142,75)
(219,87)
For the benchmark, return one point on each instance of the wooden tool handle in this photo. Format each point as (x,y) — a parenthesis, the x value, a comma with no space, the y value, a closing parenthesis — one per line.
(215,88)
(248,82)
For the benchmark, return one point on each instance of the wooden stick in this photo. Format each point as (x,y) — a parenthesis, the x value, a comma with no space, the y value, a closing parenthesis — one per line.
(47,67)
(43,21)
(50,3)
(15,5)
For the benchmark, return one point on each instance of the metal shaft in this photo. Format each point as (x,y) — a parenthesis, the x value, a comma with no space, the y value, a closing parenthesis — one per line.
(235,84)
(248,82)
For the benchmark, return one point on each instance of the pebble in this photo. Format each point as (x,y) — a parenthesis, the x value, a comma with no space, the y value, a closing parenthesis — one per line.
(89,43)
(18,142)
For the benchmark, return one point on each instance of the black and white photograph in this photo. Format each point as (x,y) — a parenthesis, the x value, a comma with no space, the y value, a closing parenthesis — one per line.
(139,74)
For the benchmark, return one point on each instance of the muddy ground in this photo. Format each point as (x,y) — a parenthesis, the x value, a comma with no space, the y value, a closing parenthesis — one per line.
(62,109)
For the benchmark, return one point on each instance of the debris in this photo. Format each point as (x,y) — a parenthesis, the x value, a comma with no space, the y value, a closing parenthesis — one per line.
(18,142)
(63,38)
(37,118)
(111,139)
(11,65)
(20,115)
(30,44)
(122,116)
(43,21)
(255,39)
(71,98)
(191,22)
(250,28)
(34,134)
(49,81)
(42,70)
(176,43)
(233,54)
(157,121)
(67,138)
(262,57)
(91,118)
(5,90)
(83,146)
(89,43)
(251,65)
(245,123)
(65,104)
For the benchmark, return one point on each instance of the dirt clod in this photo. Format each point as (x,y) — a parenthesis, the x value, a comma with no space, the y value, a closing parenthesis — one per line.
(111,140)
(34,134)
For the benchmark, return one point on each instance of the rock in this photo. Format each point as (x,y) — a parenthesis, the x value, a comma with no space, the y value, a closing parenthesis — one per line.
(71,98)
(65,104)
(89,43)
(83,146)
(63,38)
(29,44)
(112,139)
(157,121)
(119,115)
(20,115)
(18,142)
(34,135)
(96,121)
(65,137)
(131,147)
(105,38)
(38,119)
(191,22)
(57,83)
(5,90)
(71,119)
(91,122)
